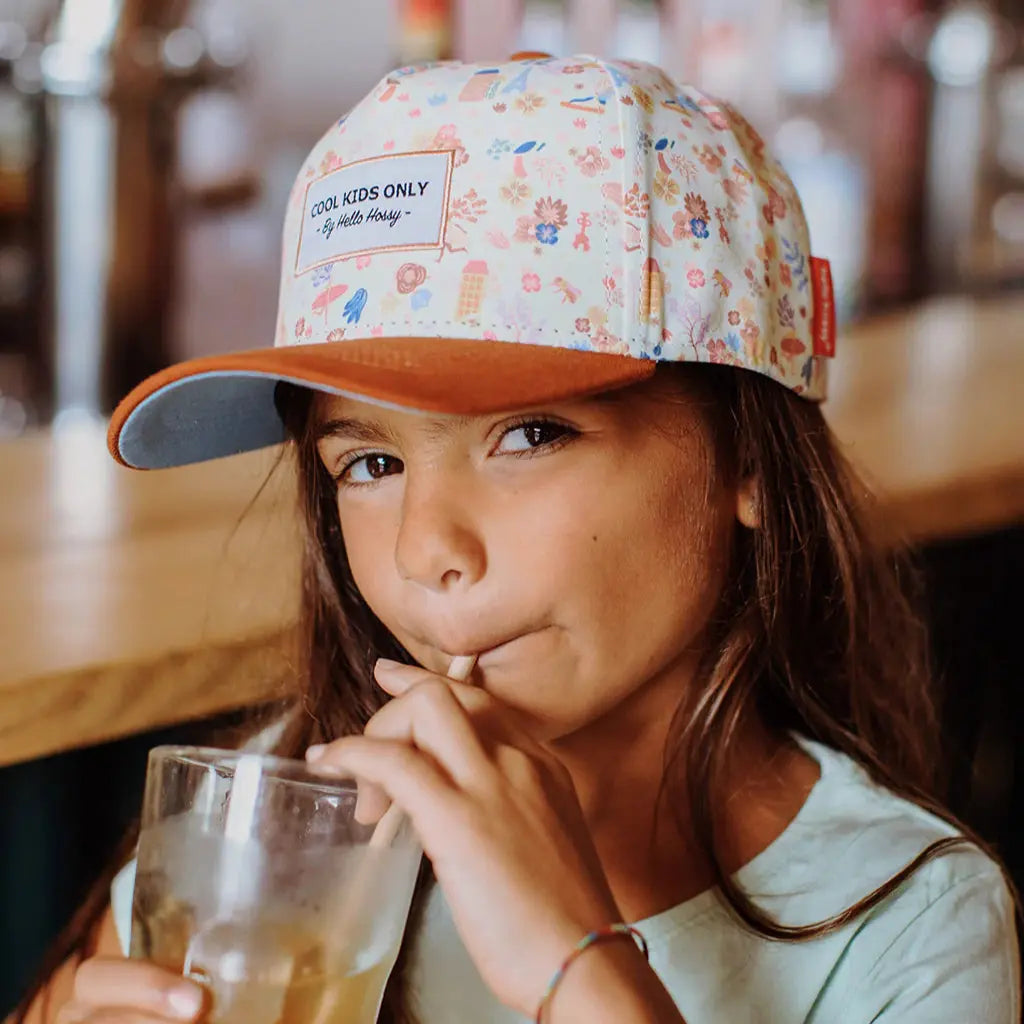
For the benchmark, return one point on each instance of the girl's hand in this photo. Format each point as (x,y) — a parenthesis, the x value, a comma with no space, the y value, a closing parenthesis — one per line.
(114,990)
(497,816)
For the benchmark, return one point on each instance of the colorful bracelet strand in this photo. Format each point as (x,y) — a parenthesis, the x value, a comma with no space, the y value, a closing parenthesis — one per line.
(612,931)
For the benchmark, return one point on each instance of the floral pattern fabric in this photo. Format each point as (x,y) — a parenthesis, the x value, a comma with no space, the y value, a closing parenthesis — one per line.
(594,205)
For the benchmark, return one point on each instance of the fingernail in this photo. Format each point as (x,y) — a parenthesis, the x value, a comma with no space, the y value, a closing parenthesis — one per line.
(185,1001)
(315,752)
(387,664)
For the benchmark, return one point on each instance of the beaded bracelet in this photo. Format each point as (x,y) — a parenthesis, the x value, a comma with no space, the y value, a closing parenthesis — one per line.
(612,931)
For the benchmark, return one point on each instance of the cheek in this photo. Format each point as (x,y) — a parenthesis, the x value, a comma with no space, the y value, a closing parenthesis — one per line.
(369,545)
(657,573)
(693,538)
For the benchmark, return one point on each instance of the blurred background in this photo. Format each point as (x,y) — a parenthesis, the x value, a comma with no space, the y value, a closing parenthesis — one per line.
(146,152)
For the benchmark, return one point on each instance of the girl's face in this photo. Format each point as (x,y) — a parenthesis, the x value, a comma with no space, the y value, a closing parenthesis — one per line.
(577,548)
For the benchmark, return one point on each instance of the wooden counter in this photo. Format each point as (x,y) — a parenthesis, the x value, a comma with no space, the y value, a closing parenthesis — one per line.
(130,600)
(930,407)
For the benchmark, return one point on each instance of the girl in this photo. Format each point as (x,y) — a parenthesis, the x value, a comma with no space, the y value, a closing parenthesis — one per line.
(700,702)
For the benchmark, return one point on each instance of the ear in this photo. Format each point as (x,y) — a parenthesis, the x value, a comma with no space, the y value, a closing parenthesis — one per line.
(748,502)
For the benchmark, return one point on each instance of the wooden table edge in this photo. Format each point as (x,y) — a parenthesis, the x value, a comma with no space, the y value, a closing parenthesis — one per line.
(97,704)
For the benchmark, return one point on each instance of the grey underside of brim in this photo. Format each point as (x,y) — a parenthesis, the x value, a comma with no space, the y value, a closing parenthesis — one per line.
(209,416)
(202,417)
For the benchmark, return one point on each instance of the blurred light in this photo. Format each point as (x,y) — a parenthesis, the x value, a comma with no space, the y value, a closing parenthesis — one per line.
(799,138)
(81,218)
(725,57)
(87,24)
(76,423)
(1008,217)
(809,59)
(638,30)
(221,25)
(542,27)
(225,26)
(81,479)
(214,136)
(70,69)
(183,49)
(13,40)
(962,48)
(942,346)
(832,189)
(227,47)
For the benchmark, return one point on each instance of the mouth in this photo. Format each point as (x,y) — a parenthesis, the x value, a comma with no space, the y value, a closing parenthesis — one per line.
(485,649)
(481,652)
(497,652)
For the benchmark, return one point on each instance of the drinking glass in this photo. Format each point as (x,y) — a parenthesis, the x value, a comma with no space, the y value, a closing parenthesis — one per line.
(255,878)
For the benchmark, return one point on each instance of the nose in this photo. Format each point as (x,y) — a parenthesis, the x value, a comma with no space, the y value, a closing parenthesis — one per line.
(439,544)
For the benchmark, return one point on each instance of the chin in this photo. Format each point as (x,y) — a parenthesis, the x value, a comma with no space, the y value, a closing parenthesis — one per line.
(533,712)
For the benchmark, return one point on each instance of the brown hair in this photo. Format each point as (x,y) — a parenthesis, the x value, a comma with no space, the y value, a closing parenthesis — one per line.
(816,630)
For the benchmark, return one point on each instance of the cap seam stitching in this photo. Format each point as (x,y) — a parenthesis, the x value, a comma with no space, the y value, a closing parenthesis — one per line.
(623,329)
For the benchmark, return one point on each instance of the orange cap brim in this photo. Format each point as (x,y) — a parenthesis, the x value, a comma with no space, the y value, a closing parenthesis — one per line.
(206,408)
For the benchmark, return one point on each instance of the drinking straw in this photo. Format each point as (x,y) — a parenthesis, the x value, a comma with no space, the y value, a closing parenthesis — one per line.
(353,904)
(389,824)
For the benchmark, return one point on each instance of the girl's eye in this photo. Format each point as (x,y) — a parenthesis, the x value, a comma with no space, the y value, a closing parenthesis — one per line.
(521,439)
(531,435)
(367,469)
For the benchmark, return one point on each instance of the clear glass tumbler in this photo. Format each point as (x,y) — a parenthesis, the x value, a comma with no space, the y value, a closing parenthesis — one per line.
(255,878)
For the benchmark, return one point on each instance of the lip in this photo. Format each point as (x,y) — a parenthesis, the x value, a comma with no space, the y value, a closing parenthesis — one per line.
(494,653)
(496,647)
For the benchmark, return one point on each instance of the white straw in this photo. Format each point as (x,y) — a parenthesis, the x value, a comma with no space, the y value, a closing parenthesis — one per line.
(355,892)
(389,824)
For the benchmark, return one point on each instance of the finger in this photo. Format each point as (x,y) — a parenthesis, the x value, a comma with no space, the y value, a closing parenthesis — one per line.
(409,777)
(76,1013)
(138,986)
(396,678)
(461,726)
(430,718)
(494,721)
(371,800)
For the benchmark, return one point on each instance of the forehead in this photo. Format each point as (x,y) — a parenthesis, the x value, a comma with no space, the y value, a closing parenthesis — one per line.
(335,414)
(660,389)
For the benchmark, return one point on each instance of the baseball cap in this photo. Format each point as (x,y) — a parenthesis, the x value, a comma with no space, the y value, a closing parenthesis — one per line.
(474,238)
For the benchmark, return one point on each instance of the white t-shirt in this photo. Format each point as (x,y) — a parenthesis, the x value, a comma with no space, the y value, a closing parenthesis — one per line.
(941,950)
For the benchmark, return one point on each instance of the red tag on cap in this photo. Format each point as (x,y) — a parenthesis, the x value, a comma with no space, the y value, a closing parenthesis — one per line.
(823,327)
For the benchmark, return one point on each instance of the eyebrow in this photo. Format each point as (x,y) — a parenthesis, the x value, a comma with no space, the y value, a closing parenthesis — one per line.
(363,431)
(374,432)
(368,431)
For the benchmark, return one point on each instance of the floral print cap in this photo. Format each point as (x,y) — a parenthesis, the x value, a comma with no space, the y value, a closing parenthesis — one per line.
(475,237)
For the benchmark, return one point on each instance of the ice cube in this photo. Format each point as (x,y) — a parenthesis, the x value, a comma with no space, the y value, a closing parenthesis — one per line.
(246,965)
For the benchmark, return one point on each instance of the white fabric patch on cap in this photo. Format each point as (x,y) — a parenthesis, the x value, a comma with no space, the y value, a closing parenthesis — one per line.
(376,205)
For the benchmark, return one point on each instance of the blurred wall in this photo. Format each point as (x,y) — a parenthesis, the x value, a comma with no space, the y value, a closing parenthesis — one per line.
(302,75)
(309,68)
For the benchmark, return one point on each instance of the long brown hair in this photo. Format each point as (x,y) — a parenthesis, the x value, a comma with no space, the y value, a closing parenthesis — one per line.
(816,630)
